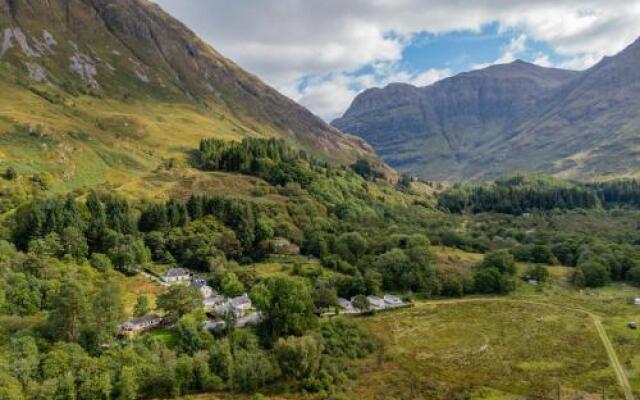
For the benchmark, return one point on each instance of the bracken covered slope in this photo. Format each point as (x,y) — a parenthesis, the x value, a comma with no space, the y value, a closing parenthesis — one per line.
(506,118)
(101,89)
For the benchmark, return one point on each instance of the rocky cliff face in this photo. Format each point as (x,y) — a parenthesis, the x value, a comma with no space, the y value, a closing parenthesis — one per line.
(130,51)
(517,116)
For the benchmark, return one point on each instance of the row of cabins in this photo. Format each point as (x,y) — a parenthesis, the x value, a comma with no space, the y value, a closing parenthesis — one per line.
(213,302)
(375,303)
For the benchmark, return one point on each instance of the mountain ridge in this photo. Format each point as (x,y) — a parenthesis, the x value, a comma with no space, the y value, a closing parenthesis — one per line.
(500,111)
(128,75)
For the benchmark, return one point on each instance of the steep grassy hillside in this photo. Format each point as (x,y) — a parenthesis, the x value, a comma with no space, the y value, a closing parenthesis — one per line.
(98,91)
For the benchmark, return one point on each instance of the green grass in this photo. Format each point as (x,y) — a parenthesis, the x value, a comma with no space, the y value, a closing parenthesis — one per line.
(487,350)
(166,336)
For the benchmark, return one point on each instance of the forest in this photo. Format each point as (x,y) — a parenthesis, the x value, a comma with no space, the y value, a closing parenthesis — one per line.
(64,258)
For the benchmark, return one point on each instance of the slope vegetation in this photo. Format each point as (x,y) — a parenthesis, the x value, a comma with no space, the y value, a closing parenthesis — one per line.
(97,90)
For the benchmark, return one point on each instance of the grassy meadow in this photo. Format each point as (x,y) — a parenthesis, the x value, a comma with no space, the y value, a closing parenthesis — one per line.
(537,343)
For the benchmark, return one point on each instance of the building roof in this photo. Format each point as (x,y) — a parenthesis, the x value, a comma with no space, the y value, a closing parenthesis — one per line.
(198,283)
(344,302)
(241,300)
(143,320)
(213,299)
(175,272)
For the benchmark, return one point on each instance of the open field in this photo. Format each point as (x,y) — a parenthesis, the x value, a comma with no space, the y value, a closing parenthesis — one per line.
(489,350)
(537,343)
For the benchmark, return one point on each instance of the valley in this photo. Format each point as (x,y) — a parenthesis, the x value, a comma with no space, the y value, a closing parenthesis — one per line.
(172,227)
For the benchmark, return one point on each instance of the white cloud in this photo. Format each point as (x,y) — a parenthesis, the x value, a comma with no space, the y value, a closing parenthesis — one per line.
(542,60)
(431,76)
(287,40)
(510,53)
(329,96)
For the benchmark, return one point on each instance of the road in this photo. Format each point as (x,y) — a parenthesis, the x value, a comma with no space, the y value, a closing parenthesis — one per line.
(623,380)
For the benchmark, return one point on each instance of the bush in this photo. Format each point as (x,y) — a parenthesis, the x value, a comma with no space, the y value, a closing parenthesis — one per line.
(10,174)
(298,357)
(501,260)
(538,272)
(595,274)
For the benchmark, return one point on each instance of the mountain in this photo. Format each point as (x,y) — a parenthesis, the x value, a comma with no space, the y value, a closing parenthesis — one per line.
(506,118)
(97,90)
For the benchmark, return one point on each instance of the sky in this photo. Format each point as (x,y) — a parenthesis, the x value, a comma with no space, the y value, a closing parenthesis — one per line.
(322,53)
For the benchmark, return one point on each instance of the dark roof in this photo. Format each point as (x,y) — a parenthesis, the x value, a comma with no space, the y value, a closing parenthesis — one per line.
(142,320)
(198,283)
(173,272)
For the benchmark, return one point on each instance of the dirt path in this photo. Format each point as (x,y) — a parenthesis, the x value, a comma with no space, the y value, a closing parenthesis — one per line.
(613,358)
(597,322)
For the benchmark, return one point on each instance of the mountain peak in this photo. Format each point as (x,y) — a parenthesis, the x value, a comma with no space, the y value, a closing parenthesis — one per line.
(516,116)
(125,72)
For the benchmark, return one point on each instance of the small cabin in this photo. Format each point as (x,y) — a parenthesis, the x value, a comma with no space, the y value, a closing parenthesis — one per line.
(139,325)
(346,306)
(392,300)
(376,302)
(201,286)
(176,275)
(213,301)
(237,305)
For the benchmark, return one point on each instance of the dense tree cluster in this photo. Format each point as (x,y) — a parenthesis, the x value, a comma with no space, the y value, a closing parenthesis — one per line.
(522,194)
(496,273)
(366,170)
(517,195)
(73,353)
(620,192)
(270,159)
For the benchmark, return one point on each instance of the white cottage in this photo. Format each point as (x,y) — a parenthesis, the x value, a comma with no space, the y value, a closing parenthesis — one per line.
(138,325)
(376,302)
(239,306)
(177,275)
(205,290)
(392,300)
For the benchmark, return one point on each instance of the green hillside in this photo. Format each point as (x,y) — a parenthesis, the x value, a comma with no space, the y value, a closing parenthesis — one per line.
(99,91)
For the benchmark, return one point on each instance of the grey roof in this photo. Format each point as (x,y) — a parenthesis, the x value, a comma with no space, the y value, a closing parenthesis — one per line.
(175,272)
(344,302)
(214,299)
(142,320)
(240,300)
(198,283)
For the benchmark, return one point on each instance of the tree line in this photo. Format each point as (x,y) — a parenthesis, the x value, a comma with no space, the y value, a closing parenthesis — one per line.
(518,195)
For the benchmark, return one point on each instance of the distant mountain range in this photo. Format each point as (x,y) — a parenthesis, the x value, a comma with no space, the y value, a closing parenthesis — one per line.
(95,90)
(508,118)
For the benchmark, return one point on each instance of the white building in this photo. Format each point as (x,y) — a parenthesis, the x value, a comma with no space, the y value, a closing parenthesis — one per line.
(212,301)
(239,306)
(201,285)
(177,275)
(392,300)
(138,325)
(376,302)
(346,306)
